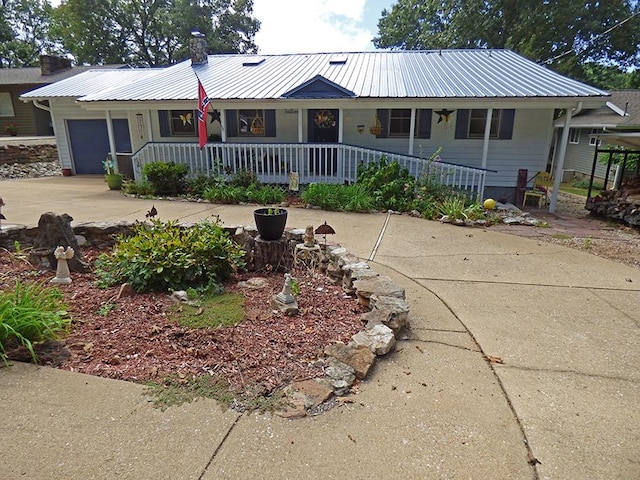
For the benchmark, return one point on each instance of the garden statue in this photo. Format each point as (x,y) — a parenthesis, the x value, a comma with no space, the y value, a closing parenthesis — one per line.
(285,295)
(62,271)
(309,239)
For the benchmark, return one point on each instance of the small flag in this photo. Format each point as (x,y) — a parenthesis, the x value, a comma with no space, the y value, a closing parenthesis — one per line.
(203,107)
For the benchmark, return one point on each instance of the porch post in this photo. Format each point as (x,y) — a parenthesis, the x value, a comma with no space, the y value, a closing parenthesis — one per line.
(485,149)
(300,120)
(412,130)
(223,125)
(341,123)
(112,140)
(560,163)
(149,126)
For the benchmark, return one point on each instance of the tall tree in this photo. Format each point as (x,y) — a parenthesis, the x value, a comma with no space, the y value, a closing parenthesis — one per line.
(151,32)
(24,32)
(565,34)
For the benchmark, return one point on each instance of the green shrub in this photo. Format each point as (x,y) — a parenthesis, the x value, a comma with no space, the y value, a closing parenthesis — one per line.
(164,256)
(142,189)
(243,178)
(324,195)
(165,177)
(31,313)
(265,194)
(224,193)
(357,198)
(584,184)
(391,185)
(198,185)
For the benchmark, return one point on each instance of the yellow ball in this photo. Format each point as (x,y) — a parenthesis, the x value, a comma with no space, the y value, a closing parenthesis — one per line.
(489,204)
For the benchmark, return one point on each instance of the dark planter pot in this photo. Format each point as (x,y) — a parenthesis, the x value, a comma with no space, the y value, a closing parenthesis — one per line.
(270,222)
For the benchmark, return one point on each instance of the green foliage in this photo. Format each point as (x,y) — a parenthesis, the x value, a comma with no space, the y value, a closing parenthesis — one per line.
(31,313)
(224,193)
(151,33)
(211,310)
(539,31)
(141,189)
(197,186)
(458,207)
(391,186)
(243,178)
(24,32)
(105,308)
(166,178)
(349,198)
(584,184)
(165,256)
(265,194)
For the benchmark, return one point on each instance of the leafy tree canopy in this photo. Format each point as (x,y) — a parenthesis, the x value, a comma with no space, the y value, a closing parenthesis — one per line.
(135,32)
(567,35)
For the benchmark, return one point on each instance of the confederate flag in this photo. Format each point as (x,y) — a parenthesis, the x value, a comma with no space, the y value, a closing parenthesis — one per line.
(203,107)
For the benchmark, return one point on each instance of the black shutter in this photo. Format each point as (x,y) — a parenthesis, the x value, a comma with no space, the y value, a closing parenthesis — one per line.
(506,123)
(270,123)
(462,123)
(383,116)
(232,123)
(165,123)
(424,123)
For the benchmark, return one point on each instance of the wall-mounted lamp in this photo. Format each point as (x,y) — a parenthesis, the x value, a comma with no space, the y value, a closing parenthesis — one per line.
(360,128)
(140,123)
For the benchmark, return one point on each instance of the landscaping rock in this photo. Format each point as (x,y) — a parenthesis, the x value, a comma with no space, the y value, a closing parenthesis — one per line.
(338,376)
(360,358)
(380,285)
(379,339)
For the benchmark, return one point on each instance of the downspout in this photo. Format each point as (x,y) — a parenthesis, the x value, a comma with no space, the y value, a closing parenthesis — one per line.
(561,156)
(485,148)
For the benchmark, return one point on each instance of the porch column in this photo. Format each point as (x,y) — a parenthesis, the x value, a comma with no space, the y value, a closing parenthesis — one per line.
(485,148)
(562,151)
(223,125)
(112,140)
(300,120)
(149,126)
(341,123)
(412,130)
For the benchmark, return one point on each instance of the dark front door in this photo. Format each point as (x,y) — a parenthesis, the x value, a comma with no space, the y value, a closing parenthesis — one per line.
(89,143)
(323,128)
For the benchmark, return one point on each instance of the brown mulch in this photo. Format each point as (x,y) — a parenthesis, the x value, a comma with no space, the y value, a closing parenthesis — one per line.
(137,340)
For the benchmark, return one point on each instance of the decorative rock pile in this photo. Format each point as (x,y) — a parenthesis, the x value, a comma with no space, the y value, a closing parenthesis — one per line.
(620,205)
(30,170)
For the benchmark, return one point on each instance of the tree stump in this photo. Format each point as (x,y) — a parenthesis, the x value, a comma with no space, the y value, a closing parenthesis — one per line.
(54,231)
(272,255)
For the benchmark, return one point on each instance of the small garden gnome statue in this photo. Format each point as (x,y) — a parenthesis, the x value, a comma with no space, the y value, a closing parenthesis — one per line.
(62,271)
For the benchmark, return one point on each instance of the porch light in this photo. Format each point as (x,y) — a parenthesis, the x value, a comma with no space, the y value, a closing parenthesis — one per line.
(360,128)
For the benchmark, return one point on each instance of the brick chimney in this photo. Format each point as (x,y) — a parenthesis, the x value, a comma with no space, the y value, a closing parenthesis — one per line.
(50,64)
(198,49)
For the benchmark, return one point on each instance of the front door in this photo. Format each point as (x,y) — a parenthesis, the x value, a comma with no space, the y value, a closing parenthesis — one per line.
(323,128)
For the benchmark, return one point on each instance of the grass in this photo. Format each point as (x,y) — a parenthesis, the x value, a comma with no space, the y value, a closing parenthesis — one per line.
(31,313)
(210,310)
(561,236)
(177,390)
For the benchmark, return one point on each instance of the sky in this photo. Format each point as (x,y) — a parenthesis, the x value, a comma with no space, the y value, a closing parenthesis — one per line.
(317,26)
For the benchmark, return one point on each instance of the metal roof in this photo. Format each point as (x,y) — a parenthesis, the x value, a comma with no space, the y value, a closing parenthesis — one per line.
(34,76)
(379,74)
(621,111)
(89,82)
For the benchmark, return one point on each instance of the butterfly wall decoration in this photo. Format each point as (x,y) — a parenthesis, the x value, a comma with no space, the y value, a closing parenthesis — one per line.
(186,119)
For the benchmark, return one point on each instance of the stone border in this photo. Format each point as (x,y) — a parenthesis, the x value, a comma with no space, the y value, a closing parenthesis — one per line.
(385,300)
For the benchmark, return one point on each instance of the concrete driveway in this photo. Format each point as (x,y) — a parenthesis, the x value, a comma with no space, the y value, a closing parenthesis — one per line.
(522,363)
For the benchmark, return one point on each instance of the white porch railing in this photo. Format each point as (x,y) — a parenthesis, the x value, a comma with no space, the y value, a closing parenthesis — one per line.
(314,162)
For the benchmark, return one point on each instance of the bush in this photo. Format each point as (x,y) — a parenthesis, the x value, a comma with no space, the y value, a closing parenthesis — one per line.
(243,178)
(166,178)
(142,189)
(224,193)
(350,198)
(164,256)
(391,185)
(198,185)
(265,194)
(31,313)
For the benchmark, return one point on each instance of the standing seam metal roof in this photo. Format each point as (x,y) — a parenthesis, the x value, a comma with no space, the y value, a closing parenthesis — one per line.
(379,74)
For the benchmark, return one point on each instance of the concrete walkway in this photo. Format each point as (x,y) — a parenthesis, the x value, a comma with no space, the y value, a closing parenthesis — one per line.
(562,405)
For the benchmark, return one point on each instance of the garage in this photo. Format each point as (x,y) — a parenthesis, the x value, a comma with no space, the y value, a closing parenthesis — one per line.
(89,143)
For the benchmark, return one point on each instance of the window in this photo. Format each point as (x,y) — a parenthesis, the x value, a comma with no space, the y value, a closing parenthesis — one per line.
(183,122)
(251,123)
(574,135)
(6,106)
(477,121)
(471,123)
(399,122)
(595,140)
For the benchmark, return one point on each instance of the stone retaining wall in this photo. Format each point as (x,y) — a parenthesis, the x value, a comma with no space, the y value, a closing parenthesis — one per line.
(28,154)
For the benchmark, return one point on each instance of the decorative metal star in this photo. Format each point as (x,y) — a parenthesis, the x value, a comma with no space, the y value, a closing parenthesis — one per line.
(444,115)
(215,115)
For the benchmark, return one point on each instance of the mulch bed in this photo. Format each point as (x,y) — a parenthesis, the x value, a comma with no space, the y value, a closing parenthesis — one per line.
(138,341)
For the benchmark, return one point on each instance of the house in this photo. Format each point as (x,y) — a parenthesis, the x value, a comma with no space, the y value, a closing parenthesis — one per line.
(615,123)
(489,114)
(31,119)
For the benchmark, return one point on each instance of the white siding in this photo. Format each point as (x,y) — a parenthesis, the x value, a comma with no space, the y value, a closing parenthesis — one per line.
(580,156)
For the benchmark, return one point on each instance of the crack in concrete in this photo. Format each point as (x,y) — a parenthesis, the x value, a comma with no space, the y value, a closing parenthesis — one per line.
(571,372)
(523,284)
(222,442)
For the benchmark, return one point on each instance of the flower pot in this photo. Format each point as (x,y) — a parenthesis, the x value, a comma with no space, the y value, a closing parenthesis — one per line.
(270,222)
(114,181)
(67,172)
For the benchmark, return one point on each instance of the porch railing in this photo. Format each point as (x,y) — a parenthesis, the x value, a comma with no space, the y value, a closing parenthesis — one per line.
(314,162)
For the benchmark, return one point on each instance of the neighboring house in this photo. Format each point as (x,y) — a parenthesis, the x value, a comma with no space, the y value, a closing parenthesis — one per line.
(27,117)
(616,122)
(488,112)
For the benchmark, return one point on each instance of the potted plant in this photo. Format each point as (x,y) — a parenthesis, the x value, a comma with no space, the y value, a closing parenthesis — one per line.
(113,178)
(270,222)
(11,129)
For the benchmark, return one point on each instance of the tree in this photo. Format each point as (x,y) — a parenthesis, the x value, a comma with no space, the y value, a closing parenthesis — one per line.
(151,32)
(565,34)
(24,32)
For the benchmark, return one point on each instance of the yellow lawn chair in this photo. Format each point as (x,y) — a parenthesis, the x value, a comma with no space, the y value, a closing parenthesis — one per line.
(540,189)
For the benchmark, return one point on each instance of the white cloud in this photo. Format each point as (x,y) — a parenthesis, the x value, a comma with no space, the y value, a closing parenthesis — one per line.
(308,26)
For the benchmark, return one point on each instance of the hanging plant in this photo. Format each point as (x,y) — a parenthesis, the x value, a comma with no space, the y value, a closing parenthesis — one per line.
(324,119)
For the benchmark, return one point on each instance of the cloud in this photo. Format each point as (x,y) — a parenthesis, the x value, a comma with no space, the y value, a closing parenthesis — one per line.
(308,26)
